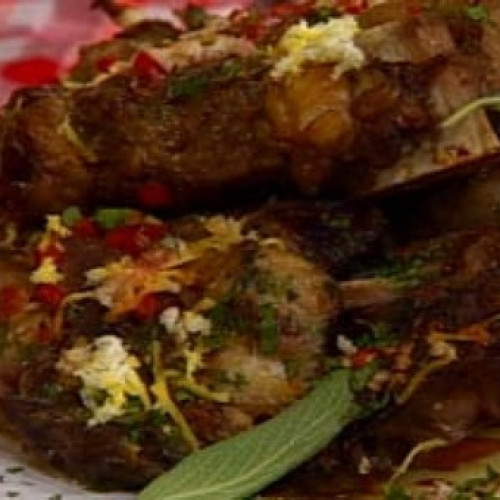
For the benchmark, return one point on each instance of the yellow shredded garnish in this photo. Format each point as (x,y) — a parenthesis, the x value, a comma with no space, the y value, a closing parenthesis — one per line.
(423,447)
(419,378)
(202,391)
(165,402)
(105,367)
(10,236)
(46,273)
(55,226)
(67,130)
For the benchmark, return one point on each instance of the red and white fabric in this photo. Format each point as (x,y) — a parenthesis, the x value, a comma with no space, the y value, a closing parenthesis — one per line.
(39,39)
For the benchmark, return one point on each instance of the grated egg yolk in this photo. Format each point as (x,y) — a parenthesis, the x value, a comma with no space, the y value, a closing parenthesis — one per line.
(330,42)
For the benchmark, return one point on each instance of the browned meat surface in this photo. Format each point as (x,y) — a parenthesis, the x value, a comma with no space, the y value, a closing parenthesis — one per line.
(135,343)
(448,282)
(335,236)
(198,119)
(440,408)
(222,322)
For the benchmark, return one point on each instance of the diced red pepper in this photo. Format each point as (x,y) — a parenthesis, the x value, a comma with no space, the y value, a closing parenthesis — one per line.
(154,195)
(148,68)
(104,63)
(12,300)
(149,307)
(363,356)
(355,7)
(289,9)
(135,238)
(54,251)
(86,228)
(256,31)
(49,295)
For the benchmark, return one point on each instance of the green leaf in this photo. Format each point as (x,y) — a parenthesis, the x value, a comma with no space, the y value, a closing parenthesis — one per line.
(243,465)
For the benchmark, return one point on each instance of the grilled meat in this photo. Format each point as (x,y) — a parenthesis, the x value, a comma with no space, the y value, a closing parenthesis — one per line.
(217,323)
(131,343)
(432,324)
(200,118)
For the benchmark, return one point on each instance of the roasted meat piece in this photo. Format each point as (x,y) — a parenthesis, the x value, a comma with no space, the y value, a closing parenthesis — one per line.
(232,109)
(145,340)
(432,324)
(134,342)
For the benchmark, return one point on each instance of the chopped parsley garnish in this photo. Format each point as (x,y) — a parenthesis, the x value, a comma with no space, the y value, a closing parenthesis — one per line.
(268,329)
(50,390)
(397,492)
(195,17)
(225,323)
(377,335)
(478,13)
(189,85)
(110,218)
(71,216)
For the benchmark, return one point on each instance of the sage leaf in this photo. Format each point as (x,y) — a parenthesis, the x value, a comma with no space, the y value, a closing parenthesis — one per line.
(240,467)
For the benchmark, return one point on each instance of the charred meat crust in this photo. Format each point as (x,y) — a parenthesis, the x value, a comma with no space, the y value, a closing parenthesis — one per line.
(220,129)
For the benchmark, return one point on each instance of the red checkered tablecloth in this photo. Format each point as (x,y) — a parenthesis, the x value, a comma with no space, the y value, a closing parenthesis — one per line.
(39,38)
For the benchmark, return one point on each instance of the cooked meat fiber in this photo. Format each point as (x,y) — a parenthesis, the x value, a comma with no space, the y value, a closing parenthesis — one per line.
(233,319)
(136,343)
(448,282)
(199,119)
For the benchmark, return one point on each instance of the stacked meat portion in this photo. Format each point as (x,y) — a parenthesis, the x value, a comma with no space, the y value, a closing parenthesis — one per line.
(255,104)
(129,341)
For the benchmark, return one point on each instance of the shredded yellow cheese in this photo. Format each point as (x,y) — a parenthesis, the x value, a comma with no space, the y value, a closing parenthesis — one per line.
(165,402)
(121,285)
(46,273)
(55,225)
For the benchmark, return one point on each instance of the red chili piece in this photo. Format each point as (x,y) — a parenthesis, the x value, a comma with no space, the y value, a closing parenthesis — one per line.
(148,68)
(149,307)
(104,63)
(135,238)
(52,251)
(363,356)
(154,195)
(12,300)
(49,295)
(86,228)
(356,7)
(286,10)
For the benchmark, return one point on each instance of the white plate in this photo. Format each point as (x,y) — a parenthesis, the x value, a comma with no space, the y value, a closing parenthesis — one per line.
(20,480)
